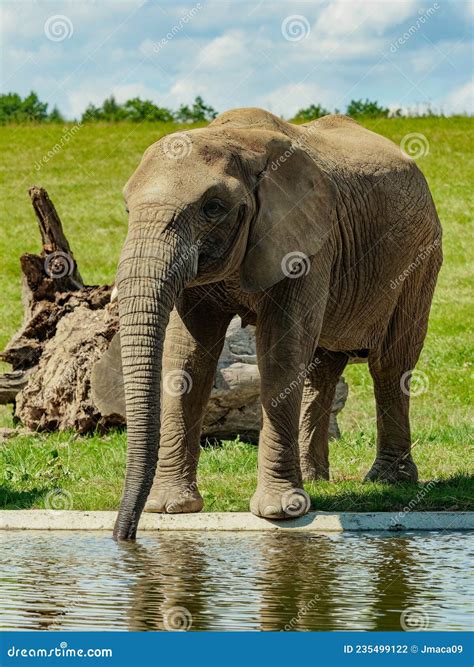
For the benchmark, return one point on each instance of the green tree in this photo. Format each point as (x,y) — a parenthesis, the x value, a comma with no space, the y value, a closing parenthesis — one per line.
(15,110)
(138,110)
(10,108)
(112,111)
(55,116)
(33,109)
(312,112)
(92,114)
(199,112)
(366,108)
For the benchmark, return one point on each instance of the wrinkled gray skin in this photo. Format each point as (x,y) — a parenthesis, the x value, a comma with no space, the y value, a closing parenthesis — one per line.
(216,217)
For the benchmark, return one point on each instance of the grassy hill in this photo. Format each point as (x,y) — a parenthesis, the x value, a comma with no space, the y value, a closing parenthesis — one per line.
(85,178)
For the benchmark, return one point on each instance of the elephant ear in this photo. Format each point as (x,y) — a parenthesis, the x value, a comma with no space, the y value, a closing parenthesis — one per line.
(296,202)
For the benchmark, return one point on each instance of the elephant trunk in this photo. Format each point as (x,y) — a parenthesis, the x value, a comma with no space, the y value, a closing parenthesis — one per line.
(151,274)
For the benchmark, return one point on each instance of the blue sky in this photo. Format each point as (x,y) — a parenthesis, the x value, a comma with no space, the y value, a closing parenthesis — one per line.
(277,54)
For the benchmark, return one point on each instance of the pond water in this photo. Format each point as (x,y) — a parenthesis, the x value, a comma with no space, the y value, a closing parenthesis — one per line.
(236,581)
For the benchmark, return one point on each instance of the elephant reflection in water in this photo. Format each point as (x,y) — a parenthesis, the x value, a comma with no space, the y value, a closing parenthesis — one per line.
(296,582)
(170,591)
(319,582)
(398,583)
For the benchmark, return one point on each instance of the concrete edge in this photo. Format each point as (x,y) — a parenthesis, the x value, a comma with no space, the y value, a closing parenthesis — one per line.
(239,521)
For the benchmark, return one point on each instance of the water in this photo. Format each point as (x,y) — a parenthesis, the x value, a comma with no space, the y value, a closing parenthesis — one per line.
(235,581)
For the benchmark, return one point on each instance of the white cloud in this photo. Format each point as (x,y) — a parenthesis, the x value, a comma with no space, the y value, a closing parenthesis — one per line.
(147,47)
(230,49)
(369,17)
(222,72)
(345,30)
(459,100)
(428,57)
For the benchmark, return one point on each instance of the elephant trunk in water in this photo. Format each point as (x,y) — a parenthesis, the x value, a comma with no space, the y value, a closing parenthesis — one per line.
(154,266)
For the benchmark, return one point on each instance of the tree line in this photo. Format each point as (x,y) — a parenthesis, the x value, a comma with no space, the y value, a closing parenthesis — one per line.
(14,109)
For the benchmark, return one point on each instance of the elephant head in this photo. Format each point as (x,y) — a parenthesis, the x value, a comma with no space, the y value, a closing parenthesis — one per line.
(203,204)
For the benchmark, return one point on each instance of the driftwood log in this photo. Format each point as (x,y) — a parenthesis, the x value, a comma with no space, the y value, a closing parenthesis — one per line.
(66,366)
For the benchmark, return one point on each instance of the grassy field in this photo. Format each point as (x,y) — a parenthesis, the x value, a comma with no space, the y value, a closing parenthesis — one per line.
(85,179)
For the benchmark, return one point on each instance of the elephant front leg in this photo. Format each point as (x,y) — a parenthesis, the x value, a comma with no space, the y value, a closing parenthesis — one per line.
(282,357)
(194,341)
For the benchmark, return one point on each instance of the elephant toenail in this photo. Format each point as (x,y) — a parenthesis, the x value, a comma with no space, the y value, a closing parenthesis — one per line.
(270,510)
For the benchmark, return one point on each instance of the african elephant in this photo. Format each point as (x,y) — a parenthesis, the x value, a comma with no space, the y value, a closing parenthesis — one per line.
(311,232)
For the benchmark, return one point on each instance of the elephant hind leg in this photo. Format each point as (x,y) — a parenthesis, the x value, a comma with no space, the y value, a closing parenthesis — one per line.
(393,462)
(391,366)
(318,395)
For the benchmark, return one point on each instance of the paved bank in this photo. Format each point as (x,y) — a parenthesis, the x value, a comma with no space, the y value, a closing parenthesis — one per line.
(239,521)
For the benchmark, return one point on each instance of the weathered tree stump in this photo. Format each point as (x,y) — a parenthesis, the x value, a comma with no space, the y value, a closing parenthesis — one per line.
(43,353)
(51,287)
(67,371)
(11,384)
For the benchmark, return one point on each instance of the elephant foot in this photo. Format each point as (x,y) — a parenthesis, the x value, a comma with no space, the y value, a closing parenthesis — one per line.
(269,503)
(174,500)
(393,471)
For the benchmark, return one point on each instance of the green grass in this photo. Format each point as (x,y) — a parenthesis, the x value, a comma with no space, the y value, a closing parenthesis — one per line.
(85,180)
(64,471)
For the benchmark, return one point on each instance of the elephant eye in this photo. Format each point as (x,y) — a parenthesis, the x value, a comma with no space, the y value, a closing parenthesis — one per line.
(214,209)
